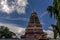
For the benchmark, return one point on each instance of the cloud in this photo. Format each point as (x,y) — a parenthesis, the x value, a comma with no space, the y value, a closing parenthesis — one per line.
(42,22)
(50,28)
(50,33)
(19,18)
(23,19)
(9,6)
(43,14)
(14,28)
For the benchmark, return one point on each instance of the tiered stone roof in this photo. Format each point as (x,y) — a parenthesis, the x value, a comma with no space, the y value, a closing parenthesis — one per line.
(34,28)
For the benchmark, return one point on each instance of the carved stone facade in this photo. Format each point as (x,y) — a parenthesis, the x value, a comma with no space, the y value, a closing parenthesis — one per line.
(34,28)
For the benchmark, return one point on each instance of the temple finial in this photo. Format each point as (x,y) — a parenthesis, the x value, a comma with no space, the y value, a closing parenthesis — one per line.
(33,11)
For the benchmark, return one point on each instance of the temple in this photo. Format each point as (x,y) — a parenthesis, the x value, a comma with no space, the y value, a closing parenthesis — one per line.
(34,28)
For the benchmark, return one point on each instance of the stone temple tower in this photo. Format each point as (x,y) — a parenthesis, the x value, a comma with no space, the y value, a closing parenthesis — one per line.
(34,28)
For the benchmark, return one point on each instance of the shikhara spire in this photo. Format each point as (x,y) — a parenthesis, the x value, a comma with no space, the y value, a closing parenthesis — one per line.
(34,28)
(34,21)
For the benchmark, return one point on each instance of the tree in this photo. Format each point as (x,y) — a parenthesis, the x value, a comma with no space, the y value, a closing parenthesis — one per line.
(55,10)
(4,32)
(54,30)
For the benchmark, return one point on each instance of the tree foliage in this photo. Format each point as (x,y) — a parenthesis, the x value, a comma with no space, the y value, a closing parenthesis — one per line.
(55,10)
(5,33)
